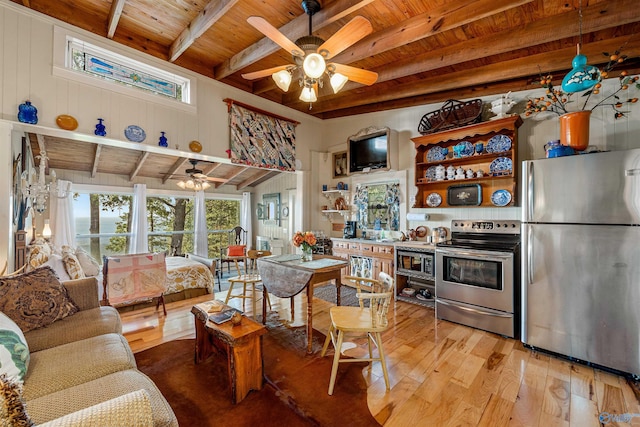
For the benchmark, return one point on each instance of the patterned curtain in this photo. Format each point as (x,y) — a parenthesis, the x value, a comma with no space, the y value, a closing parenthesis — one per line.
(393,206)
(361,200)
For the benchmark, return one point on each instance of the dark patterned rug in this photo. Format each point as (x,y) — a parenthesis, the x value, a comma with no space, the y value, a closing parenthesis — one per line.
(294,392)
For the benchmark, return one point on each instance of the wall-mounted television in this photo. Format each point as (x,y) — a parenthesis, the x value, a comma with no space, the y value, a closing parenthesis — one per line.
(369,150)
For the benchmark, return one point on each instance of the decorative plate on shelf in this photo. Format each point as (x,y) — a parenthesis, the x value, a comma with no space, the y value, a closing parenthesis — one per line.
(436,154)
(195,146)
(66,122)
(501,198)
(135,133)
(498,144)
(501,166)
(467,149)
(434,200)
(431,173)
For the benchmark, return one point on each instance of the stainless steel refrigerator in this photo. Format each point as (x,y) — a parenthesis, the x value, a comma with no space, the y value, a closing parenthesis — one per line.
(581,257)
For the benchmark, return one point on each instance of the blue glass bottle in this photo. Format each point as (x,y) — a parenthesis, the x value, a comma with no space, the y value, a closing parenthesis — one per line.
(162,142)
(100,128)
(28,113)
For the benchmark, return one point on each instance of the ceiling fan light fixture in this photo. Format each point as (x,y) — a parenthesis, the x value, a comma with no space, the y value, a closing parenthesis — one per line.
(314,65)
(282,79)
(181,184)
(308,94)
(338,81)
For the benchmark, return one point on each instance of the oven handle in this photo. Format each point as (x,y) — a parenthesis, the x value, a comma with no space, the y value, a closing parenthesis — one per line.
(473,310)
(476,255)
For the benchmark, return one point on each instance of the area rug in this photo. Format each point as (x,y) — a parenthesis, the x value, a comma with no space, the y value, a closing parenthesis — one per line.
(328,293)
(294,392)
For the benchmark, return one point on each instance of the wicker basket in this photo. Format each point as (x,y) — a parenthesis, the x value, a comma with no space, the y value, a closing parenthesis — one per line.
(452,114)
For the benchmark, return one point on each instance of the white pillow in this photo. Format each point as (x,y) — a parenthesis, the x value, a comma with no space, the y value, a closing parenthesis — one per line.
(89,264)
(14,350)
(57,265)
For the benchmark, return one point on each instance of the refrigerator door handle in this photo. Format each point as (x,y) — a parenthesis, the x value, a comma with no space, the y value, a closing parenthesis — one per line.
(530,192)
(529,255)
(632,172)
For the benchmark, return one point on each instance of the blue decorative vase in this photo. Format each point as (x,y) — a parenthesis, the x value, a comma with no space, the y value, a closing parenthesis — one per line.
(27,113)
(100,129)
(163,140)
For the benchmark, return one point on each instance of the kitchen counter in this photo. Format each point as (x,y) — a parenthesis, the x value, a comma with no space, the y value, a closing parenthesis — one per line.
(415,244)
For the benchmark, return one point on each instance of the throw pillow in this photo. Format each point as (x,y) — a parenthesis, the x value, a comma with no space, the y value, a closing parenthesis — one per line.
(12,411)
(37,255)
(56,264)
(90,266)
(35,299)
(72,265)
(236,250)
(14,351)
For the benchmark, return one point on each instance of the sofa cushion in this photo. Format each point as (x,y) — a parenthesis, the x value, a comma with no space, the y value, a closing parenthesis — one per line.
(12,410)
(67,365)
(35,299)
(134,407)
(90,266)
(83,324)
(72,399)
(14,351)
(71,263)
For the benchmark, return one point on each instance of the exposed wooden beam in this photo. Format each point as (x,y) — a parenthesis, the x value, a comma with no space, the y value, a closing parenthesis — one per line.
(212,12)
(293,30)
(240,170)
(172,170)
(210,168)
(114,16)
(96,160)
(253,178)
(553,61)
(26,3)
(143,156)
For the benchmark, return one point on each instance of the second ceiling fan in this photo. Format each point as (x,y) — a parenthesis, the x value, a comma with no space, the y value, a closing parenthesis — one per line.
(310,55)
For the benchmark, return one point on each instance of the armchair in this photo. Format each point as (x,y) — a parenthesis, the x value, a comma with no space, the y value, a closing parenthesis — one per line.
(237,248)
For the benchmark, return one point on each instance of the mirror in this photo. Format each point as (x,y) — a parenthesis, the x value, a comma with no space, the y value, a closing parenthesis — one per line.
(271,208)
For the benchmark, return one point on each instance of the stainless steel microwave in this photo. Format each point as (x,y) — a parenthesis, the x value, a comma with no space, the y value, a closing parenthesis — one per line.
(419,263)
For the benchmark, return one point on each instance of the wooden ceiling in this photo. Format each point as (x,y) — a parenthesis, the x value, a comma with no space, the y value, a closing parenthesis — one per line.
(425,51)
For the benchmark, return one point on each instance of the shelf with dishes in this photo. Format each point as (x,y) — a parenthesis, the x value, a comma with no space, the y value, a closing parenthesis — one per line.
(472,166)
(337,203)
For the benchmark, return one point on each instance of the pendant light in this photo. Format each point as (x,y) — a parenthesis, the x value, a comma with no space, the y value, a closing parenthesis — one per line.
(282,79)
(308,94)
(582,76)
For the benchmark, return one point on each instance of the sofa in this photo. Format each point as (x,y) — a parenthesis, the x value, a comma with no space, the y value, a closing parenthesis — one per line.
(81,370)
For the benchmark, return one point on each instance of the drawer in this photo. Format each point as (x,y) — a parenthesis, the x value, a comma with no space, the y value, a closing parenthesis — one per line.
(366,248)
(353,246)
(383,249)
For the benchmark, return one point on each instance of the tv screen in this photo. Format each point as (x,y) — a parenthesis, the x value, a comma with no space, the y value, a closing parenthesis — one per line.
(368,152)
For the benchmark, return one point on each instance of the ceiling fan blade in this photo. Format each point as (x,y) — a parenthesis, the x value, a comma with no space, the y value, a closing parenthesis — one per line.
(275,35)
(208,178)
(356,29)
(264,73)
(358,75)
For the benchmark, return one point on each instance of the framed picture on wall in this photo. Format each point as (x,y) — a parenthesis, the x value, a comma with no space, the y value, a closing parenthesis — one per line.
(340,164)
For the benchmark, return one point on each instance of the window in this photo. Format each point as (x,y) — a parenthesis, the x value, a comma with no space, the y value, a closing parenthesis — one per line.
(103,223)
(99,62)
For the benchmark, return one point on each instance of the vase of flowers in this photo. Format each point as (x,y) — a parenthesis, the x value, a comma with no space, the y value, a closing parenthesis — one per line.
(575,114)
(307,241)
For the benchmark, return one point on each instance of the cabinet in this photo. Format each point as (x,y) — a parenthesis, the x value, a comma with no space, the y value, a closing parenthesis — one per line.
(434,193)
(338,202)
(365,259)
(415,269)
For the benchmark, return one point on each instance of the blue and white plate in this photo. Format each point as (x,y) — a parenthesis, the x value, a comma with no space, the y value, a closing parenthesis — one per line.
(501,198)
(436,154)
(135,133)
(434,200)
(498,144)
(467,148)
(431,173)
(501,166)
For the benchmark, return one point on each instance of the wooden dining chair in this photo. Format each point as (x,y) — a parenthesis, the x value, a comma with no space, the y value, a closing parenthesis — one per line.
(369,319)
(249,279)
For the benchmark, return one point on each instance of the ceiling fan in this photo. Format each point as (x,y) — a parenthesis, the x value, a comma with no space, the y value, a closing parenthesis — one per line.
(311,53)
(197,180)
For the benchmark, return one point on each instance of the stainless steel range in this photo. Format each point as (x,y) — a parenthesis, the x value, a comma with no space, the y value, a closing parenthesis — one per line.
(478,276)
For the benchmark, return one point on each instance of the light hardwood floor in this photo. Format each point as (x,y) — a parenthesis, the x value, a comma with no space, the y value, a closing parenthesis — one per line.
(444,374)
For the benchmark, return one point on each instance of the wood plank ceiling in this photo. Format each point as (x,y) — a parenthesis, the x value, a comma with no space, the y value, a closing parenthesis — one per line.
(424,51)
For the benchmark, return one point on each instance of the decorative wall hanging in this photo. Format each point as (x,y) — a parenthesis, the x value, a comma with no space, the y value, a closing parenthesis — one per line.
(261,139)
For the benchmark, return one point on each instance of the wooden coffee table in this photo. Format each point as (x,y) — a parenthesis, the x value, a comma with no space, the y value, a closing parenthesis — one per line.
(241,344)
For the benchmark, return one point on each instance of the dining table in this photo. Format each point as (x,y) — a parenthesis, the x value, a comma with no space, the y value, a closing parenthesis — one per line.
(285,276)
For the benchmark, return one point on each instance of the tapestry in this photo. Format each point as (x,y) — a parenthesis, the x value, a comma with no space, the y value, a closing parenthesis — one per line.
(261,140)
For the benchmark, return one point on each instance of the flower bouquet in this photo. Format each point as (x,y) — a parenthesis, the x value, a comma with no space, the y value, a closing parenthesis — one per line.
(307,240)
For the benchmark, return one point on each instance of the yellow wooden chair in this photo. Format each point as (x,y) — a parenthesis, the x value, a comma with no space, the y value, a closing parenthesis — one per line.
(368,318)
(250,278)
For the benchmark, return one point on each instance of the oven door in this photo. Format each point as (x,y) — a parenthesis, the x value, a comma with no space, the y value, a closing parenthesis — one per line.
(481,278)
